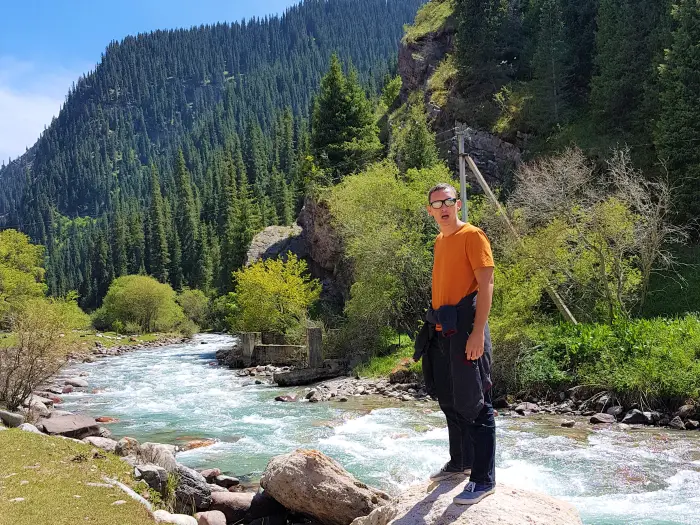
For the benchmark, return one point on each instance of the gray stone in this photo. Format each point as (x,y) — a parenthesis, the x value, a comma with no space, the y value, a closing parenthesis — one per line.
(263,506)
(127,446)
(294,480)
(234,505)
(77,382)
(616,411)
(212,517)
(159,454)
(163,516)
(226,481)
(38,409)
(27,427)
(11,419)
(108,445)
(210,474)
(192,492)
(686,411)
(71,426)
(216,488)
(568,423)
(156,477)
(597,419)
(59,413)
(677,423)
(305,376)
(527,408)
(635,417)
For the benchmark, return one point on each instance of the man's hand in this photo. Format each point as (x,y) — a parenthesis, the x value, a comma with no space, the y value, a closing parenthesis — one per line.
(475,345)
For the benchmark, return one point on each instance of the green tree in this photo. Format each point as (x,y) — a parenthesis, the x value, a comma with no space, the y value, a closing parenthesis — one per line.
(21,271)
(195,305)
(141,300)
(158,254)
(186,219)
(414,142)
(344,135)
(678,132)
(274,295)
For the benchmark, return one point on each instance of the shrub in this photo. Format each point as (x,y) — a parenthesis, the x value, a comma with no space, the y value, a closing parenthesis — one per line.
(39,351)
(273,295)
(195,305)
(141,301)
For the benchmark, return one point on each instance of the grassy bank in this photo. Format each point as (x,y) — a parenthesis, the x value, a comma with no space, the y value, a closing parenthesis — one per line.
(400,357)
(51,474)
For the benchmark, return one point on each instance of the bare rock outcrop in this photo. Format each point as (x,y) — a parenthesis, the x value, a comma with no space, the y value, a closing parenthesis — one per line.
(431,504)
(310,483)
(276,241)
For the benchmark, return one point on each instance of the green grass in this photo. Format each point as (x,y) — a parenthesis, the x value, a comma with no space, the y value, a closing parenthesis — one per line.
(433,16)
(383,365)
(441,82)
(57,471)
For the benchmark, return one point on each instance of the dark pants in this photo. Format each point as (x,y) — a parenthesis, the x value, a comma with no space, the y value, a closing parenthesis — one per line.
(472,442)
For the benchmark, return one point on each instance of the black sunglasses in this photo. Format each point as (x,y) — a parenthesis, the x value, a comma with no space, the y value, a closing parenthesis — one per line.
(447,202)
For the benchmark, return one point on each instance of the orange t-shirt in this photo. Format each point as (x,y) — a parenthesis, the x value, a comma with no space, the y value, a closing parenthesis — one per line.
(456,258)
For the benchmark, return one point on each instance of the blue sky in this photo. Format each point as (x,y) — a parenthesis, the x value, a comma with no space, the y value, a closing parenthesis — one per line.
(46,44)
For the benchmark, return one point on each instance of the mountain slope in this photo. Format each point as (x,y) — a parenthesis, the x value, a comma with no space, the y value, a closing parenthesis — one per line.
(151,90)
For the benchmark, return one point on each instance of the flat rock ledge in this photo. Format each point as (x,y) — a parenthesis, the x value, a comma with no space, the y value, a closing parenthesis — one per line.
(431,504)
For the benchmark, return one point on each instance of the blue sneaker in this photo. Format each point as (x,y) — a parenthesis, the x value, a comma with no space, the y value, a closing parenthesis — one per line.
(447,471)
(473,493)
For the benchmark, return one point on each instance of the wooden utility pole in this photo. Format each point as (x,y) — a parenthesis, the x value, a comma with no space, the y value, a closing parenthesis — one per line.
(463,173)
(556,298)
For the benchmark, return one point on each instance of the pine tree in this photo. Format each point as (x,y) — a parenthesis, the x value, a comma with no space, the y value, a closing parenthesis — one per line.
(416,144)
(118,243)
(158,254)
(678,132)
(186,220)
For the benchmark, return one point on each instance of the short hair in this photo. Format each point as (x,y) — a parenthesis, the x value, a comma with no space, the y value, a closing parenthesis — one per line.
(443,186)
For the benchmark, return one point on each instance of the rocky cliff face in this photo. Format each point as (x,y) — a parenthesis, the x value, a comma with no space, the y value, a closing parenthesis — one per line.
(418,62)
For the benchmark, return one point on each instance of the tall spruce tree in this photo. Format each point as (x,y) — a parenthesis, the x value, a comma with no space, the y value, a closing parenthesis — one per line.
(678,132)
(187,221)
(158,253)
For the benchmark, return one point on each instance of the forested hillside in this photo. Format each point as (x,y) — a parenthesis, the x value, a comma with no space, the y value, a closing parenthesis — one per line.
(105,189)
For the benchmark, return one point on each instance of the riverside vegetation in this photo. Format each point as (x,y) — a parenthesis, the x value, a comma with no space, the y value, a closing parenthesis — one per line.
(153,235)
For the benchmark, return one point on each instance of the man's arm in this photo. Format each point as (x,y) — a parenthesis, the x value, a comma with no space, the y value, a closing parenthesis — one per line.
(475,343)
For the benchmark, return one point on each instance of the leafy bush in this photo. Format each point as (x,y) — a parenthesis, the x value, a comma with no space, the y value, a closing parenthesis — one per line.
(21,272)
(195,305)
(39,350)
(142,301)
(273,295)
(646,360)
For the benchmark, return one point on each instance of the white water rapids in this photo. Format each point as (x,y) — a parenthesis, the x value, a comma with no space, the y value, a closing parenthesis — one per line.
(178,393)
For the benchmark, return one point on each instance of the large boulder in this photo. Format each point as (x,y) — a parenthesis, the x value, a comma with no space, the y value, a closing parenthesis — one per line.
(11,419)
(276,241)
(77,382)
(636,417)
(155,477)
(309,482)
(192,492)
(431,504)
(234,505)
(106,444)
(28,427)
(127,446)
(602,419)
(74,426)
(158,454)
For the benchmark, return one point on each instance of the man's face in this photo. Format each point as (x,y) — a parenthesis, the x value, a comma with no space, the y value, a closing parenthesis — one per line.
(445,215)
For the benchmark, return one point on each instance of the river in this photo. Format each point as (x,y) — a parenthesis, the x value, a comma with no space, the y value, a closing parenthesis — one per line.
(177,393)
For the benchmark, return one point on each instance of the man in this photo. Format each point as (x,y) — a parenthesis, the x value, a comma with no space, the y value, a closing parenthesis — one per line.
(455,345)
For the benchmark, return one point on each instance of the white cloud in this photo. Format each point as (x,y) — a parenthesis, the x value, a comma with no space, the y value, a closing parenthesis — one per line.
(30,96)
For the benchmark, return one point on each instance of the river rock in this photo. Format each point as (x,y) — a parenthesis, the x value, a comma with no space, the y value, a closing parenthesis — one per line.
(210,474)
(163,516)
(431,504)
(212,517)
(568,423)
(27,427)
(635,417)
(286,399)
(59,413)
(216,488)
(192,492)
(597,419)
(75,426)
(34,398)
(156,477)
(158,454)
(616,411)
(11,419)
(77,382)
(127,447)
(234,505)
(686,411)
(527,408)
(677,423)
(265,506)
(294,480)
(691,424)
(226,481)
(37,409)
(106,444)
